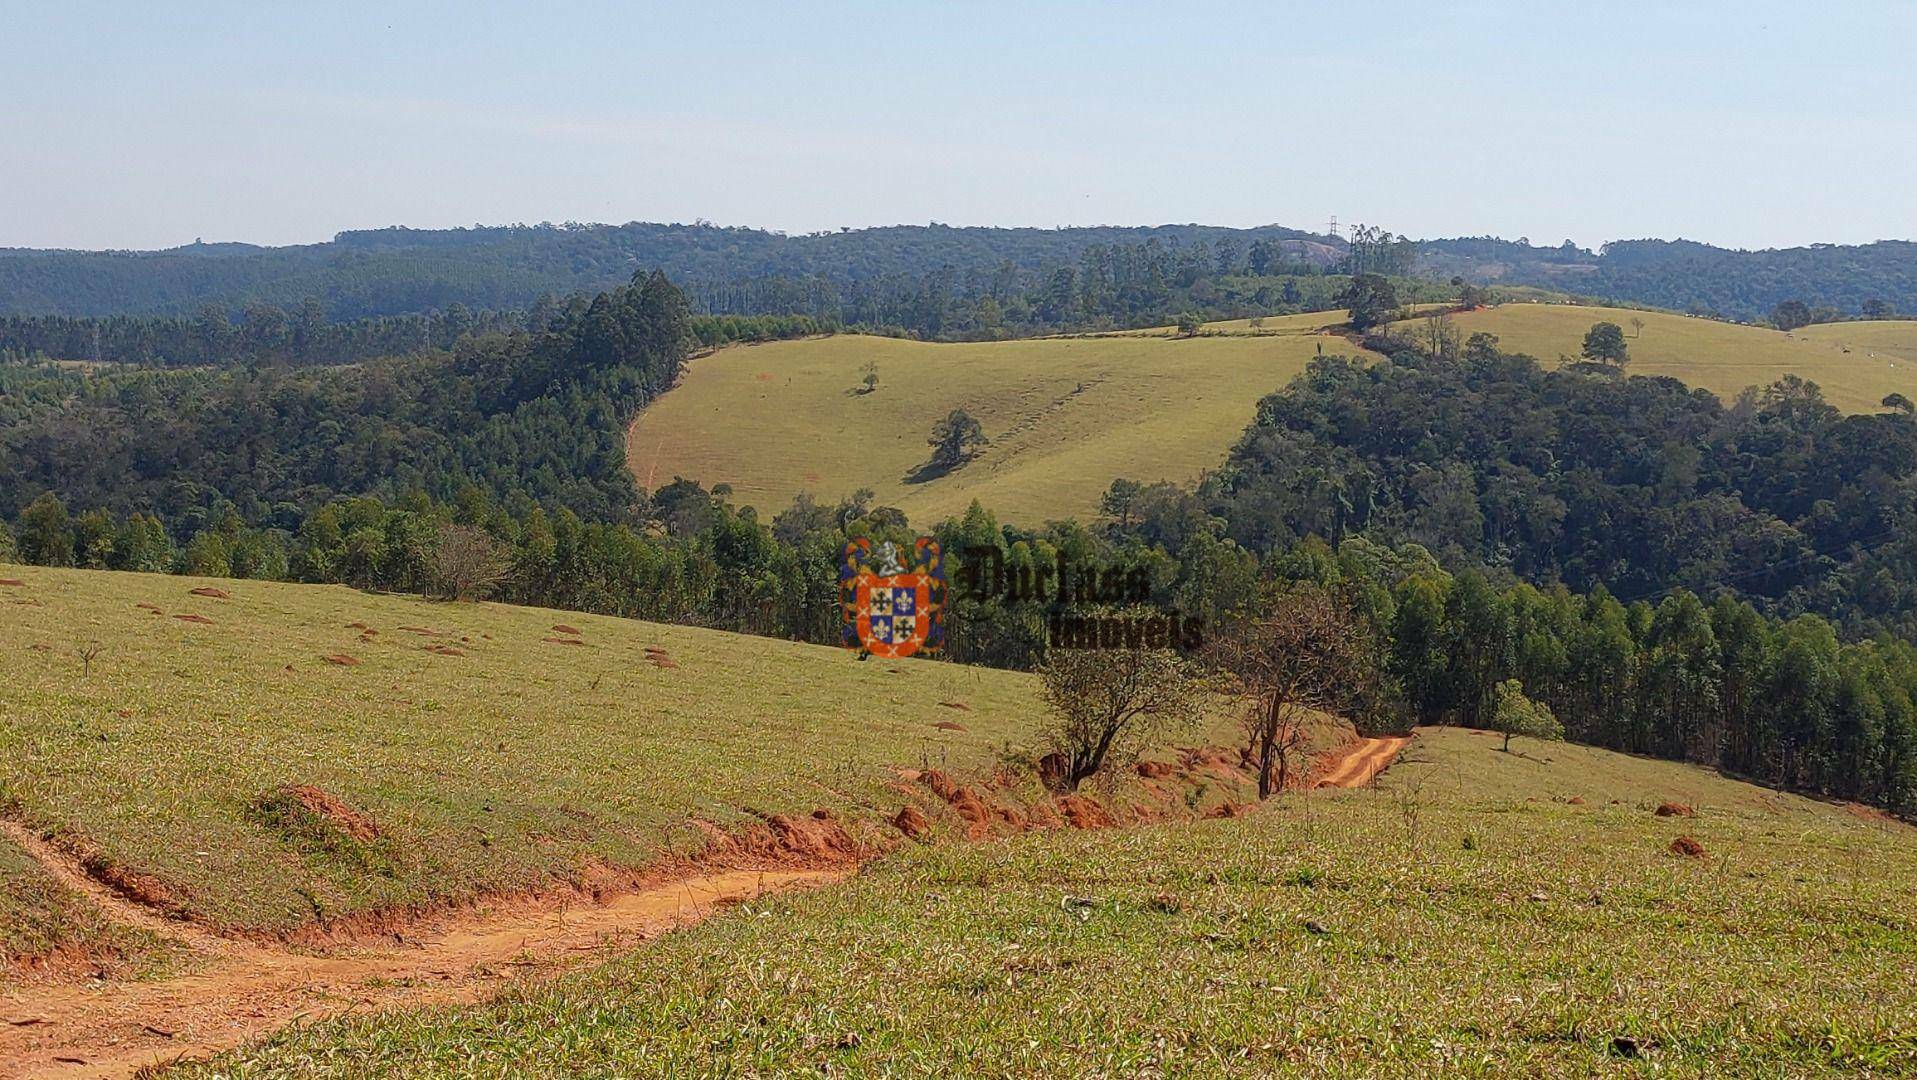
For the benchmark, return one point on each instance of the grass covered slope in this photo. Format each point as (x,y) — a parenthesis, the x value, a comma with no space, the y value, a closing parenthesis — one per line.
(1066,416)
(482,748)
(1480,914)
(45,925)
(1723,358)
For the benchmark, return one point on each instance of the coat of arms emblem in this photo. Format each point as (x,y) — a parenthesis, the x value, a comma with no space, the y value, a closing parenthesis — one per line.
(892,610)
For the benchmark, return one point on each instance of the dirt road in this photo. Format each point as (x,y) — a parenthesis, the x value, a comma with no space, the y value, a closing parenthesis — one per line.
(1363,762)
(241,990)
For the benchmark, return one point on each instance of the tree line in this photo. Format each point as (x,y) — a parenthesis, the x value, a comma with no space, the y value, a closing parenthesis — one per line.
(265,334)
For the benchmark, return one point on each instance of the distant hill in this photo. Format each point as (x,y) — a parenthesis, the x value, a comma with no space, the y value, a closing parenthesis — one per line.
(1065,416)
(892,275)
(1687,276)
(1856,363)
(399,270)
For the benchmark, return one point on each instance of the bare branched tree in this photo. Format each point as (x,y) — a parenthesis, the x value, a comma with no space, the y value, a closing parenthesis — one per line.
(88,652)
(468,562)
(1309,653)
(1110,704)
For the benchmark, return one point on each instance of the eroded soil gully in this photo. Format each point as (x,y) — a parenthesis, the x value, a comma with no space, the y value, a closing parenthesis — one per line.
(243,989)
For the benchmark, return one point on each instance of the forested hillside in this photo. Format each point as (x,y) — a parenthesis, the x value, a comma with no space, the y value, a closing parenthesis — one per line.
(933,281)
(1687,276)
(399,271)
(538,414)
(1637,484)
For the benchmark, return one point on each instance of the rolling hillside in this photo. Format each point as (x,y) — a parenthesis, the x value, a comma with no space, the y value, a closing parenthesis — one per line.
(487,748)
(1065,416)
(1856,363)
(1480,914)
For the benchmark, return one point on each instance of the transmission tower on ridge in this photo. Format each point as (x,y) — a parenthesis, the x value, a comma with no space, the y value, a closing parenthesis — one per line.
(1333,227)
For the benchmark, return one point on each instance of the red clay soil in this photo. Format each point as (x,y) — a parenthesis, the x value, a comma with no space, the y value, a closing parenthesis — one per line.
(239,990)
(1359,763)
(1083,812)
(195,619)
(912,822)
(208,590)
(1688,847)
(947,725)
(562,628)
(1672,809)
(342,660)
(562,641)
(11,582)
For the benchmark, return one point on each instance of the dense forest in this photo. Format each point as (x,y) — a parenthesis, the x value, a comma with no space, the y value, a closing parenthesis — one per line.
(1582,476)
(535,414)
(1116,286)
(410,271)
(891,276)
(1687,276)
(267,335)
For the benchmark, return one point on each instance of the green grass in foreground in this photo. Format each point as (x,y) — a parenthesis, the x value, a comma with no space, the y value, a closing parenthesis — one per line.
(1465,919)
(495,769)
(1857,364)
(1066,416)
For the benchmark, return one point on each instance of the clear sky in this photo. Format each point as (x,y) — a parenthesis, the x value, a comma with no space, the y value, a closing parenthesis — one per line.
(1746,124)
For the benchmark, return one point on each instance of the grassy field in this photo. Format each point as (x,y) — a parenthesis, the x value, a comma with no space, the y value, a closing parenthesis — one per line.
(519,759)
(1479,914)
(1857,364)
(1066,416)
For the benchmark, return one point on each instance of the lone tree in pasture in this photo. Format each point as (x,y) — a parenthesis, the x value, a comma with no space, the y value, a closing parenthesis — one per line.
(869,376)
(1109,705)
(1604,344)
(955,440)
(1371,298)
(1900,403)
(1189,324)
(1790,315)
(1514,714)
(1637,327)
(1310,653)
(467,563)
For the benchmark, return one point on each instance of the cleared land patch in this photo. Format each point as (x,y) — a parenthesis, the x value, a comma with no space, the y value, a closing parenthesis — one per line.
(1066,416)
(1856,364)
(1478,914)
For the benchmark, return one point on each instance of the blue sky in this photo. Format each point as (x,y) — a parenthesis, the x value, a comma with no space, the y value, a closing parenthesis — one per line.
(1752,124)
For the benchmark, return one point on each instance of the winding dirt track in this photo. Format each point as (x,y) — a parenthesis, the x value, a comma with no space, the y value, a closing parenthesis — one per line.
(1364,762)
(241,990)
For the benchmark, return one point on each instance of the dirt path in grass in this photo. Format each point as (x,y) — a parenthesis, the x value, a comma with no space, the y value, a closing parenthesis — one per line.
(1363,762)
(243,990)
